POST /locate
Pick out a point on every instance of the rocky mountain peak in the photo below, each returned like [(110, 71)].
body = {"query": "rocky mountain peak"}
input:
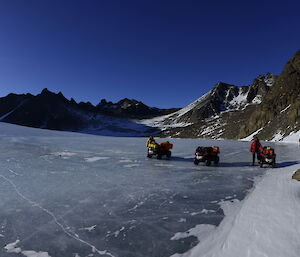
[(51, 96), (279, 112), (45, 91), (130, 103)]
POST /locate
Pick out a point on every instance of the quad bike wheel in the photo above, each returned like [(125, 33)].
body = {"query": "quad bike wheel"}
[(169, 153), (196, 162), (217, 160), (207, 162)]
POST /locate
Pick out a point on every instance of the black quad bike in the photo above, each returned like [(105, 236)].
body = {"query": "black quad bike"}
[(207, 155)]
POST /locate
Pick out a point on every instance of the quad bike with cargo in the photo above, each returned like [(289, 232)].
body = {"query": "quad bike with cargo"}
[(160, 150), (207, 154), (267, 157)]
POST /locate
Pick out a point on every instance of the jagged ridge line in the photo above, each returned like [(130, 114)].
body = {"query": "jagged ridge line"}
[(34, 204)]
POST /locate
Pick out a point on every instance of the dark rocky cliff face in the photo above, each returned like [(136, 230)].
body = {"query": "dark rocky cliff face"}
[(279, 111)]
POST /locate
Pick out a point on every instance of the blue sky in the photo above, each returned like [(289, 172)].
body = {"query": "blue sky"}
[(164, 53)]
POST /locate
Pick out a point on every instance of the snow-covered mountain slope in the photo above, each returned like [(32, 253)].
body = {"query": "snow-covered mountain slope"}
[(210, 115)]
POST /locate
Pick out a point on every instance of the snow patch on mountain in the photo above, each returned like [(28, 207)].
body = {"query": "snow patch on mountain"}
[(269, 81), (285, 108), (250, 137), (278, 136), (238, 101)]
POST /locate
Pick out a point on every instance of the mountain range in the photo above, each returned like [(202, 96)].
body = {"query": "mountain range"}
[(269, 108), (53, 111)]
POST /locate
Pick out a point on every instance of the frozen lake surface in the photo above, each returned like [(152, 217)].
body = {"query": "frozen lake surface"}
[(68, 194)]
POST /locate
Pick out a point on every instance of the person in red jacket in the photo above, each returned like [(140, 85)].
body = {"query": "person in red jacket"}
[(255, 148)]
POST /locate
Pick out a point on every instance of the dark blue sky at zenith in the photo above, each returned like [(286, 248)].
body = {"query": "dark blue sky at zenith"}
[(164, 53)]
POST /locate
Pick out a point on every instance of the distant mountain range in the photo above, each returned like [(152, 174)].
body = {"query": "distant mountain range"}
[(269, 108), (53, 111)]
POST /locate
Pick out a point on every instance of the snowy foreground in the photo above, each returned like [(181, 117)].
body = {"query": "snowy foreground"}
[(69, 194), (266, 223)]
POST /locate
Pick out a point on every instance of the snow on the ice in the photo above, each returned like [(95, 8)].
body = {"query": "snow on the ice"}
[(96, 158), (89, 229), (12, 248), (163, 165), (200, 231), (64, 154), (117, 232), (125, 160), (131, 165), (204, 211)]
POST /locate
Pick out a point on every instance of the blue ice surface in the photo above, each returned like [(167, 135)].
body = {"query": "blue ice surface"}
[(69, 193)]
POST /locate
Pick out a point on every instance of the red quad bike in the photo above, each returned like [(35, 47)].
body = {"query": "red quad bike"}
[(267, 157), (162, 149), (207, 155)]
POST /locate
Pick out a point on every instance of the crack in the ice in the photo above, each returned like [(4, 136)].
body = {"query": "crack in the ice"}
[(13, 172), (34, 204)]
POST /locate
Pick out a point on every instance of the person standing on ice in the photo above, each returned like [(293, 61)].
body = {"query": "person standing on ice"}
[(255, 148)]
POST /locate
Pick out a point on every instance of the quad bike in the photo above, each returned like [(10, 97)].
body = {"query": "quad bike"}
[(207, 155), (267, 156), (160, 150)]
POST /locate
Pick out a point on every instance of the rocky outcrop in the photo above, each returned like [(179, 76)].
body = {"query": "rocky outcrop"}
[(279, 111), (296, 175)]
